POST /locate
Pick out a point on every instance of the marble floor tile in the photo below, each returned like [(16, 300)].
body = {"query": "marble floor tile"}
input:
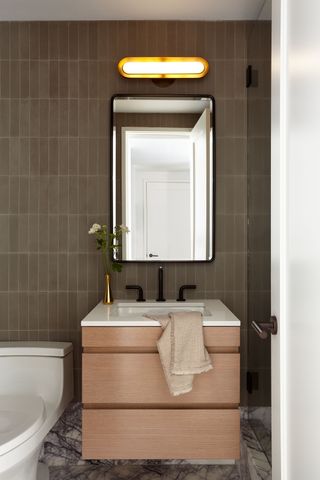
[(261, 413), (144, 472)]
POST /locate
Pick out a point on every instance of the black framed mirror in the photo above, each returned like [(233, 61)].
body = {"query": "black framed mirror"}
[(163, 177)]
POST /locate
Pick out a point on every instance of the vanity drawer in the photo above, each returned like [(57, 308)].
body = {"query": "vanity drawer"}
[(161, 434), (137, 380), (143, 339)]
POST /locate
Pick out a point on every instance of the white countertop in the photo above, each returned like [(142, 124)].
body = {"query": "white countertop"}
[(126, 313)]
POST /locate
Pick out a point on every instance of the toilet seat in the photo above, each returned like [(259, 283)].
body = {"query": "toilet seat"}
[(20, 417)]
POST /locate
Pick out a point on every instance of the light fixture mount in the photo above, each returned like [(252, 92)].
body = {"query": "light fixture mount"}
[(163, 67)]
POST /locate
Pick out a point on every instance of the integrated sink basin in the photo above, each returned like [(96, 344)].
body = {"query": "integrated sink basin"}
[(123, 309), (125, 313)]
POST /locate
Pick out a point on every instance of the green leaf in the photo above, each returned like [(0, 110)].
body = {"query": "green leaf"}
[(116, 267)]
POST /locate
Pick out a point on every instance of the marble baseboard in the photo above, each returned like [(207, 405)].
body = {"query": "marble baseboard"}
[(244, 413), (261, 413), (258, 464), (62, 453), (260, 421)]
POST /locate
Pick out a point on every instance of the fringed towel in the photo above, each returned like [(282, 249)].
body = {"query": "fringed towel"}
[(181, 349)]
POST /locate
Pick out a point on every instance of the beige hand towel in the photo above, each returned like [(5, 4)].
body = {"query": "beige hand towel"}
[(181, 349)]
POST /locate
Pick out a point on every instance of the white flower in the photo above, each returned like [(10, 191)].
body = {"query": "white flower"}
[(94, 229), (124, 229)]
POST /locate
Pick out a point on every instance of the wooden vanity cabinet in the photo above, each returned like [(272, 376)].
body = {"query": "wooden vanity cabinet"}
[(128, 412)]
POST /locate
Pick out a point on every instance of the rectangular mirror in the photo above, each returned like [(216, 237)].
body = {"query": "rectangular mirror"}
[(163, 177)]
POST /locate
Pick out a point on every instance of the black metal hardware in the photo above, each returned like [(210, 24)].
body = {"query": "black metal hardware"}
[(160, 286), (252, 381), (163, 82), (182, 289), (249, 76), (264, 328), (153, 255), (140, 290), (252, 77)]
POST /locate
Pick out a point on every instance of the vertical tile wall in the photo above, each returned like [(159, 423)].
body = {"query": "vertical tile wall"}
[(56, 81)]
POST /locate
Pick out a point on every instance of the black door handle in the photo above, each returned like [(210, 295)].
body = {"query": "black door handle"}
[(153, 255), (264, 328)]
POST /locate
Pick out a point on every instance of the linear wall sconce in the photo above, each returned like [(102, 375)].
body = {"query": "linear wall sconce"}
[(163, 67)]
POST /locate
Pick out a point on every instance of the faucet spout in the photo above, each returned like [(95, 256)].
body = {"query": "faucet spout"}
[(160, 286)]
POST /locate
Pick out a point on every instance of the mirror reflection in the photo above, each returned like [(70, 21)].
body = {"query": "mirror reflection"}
[(162, 178)]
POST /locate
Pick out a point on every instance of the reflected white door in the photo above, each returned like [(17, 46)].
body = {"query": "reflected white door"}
[(200, 136), (167, 211)]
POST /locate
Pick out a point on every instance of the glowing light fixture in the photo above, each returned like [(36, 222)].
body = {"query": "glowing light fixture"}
[(163, 67)]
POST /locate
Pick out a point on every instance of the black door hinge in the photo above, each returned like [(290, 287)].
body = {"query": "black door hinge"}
[(249, 76), (252, 381), (252, 77)]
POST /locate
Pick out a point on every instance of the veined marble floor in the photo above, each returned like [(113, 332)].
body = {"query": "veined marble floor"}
[(146, 472), (62, 453)]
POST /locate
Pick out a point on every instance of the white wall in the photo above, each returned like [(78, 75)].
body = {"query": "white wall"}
[(296, 164)]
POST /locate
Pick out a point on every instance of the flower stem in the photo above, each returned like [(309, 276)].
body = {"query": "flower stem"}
[(105, 261)]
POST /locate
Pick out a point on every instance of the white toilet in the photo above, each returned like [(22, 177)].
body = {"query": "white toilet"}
[(36, 385)]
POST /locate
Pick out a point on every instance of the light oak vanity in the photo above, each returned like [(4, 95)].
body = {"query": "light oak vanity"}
[(128, 412)]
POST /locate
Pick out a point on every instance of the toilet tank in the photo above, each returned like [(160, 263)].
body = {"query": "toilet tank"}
[(38, 368)]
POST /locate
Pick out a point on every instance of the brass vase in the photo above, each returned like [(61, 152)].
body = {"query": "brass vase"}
[(107, 297)]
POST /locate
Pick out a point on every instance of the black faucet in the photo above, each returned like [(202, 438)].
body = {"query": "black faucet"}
[(181, 290), (160, 286), (137, 287)]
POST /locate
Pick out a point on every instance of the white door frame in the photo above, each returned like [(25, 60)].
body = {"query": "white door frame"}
[(295, 244), (278, 239)]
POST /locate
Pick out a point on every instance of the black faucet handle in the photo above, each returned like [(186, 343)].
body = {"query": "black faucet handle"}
[(182, 289), (140, 290), (160, 286)]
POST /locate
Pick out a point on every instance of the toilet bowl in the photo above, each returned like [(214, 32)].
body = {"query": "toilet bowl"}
[(36, 385)]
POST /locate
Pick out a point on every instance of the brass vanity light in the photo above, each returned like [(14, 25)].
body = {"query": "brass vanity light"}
[(163, 67)]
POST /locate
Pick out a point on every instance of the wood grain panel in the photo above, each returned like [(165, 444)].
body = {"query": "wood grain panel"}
[(158, 434), (143, 339), (138, 379)]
